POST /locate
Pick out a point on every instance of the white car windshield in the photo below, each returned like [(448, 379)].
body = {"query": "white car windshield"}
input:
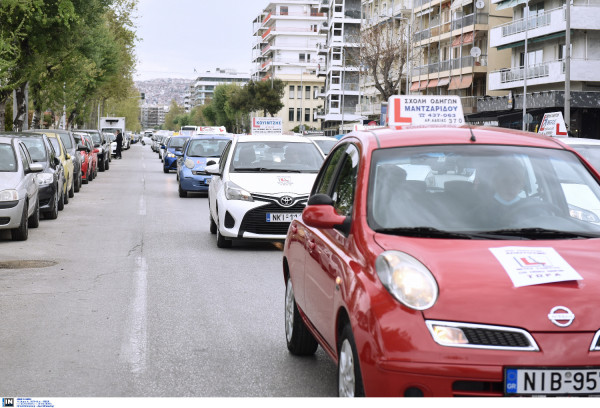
[(482, 189), (276, 156)]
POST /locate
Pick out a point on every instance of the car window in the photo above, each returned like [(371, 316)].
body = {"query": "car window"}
[(66, 139), (326, 175), (8, 161), (25, 158), (56, 145), (481, 188), (343, 192), (36, 149), (206, 147), (224, 156), (276, 156), (591, 153)]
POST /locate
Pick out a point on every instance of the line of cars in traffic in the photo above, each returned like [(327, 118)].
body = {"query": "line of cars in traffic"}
[(41, 170), (430, 259)]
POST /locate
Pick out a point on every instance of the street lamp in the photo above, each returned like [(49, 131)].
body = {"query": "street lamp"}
[(525, 65)]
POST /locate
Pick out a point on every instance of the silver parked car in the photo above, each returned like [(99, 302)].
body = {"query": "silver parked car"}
[(19, 191)]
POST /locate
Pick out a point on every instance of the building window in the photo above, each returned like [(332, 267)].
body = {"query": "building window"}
[(291, 91), (307, 92), (299, 91), (298, 115), (302, 57), (283, 10), (307, 114), (291, 115)]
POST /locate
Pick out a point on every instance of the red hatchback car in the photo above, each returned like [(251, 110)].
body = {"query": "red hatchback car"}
[(449, 261), (89, 157)]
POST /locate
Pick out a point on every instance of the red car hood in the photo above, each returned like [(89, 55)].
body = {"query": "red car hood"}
[(474, 287)]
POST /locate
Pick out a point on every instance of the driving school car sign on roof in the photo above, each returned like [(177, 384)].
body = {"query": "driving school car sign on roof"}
[(553, 124), (261, 126), (424, 110)]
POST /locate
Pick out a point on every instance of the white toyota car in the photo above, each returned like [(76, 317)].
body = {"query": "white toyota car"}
[(260, 185)]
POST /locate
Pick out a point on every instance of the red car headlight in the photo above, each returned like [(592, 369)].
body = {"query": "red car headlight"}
[(407, 279)]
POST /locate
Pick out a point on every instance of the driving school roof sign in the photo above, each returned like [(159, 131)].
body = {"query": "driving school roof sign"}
[(553, 124), (423, 110), (261, 126)]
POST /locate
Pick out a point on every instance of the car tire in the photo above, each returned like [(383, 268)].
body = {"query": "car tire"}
[(106, 164), (66, 198), (300, 340), (213, 225), (61, 201), (72, 189), (182, 192), (349, 377), (78, 184), (53, 213), (21, 233), (222, 242), (102, 165), (34, 219), (165, 170)]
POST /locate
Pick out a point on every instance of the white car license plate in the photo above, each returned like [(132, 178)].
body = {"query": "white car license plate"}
[(282, 217), (552, 381)]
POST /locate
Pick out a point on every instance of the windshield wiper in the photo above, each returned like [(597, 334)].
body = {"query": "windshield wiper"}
[(427, 232), (266, 169), (541, 233)]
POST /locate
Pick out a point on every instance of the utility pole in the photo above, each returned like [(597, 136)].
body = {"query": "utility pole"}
[(567, 96), (525, 63)]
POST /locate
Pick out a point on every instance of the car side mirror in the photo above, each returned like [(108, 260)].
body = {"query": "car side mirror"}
[(210, 162), (35, 168), (320, 213), (96, 144), (212, 169), (178, 153)]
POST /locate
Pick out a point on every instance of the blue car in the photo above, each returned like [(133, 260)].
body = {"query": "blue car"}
[(173, 150), (198, 152)]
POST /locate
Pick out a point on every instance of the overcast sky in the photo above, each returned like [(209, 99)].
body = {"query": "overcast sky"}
[(178, 36)]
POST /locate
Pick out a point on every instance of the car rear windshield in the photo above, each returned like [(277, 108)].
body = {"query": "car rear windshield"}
[(206, 147), (481, 188), (8, 161)]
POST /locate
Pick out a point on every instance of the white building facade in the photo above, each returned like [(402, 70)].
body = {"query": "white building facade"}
[(204, 87), (287, 38), (543, 73)]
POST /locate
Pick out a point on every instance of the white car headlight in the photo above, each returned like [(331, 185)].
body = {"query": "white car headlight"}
[(9, 195), (171, 155), (235, 192), (44, 179), (407, 279)]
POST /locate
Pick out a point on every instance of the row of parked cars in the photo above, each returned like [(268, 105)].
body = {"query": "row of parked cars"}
[(41, 170)]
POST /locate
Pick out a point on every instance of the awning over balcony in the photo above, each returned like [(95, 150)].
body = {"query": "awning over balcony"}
[(459, 3), (423, 85), (454, 83), (467, 38), (509, 4), (443, 81), (460, 82), (432, 84), (534, 40), (414, 86)]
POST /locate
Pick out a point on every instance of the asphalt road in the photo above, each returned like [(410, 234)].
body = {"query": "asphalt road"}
[(127, 295)]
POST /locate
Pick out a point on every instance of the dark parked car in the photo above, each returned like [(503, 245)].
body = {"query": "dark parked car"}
[(52, 178)]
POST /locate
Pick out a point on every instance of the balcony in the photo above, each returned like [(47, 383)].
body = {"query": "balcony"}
[(368, 109), (545, 26), (582, 70)]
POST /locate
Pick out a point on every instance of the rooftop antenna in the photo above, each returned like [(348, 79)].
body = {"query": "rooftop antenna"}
[(473, 139)]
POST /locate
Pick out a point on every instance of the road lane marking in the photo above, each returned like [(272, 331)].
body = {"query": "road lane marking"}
[(134, 347)]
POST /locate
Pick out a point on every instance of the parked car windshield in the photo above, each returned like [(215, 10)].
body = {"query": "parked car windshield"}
[(36, 148), (8, 161), (206, 147), (481, 189), (276, 156)]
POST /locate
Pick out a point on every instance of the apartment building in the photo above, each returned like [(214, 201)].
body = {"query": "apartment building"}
[(451, 53), (204, 86), (153, 116), (287, 38), (543, 72), (341, 70), (394, 16)]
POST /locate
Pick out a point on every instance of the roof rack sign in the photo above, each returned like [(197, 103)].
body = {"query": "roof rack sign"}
[(424, 110), (553, 124), (211, 130), (262, 126)]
